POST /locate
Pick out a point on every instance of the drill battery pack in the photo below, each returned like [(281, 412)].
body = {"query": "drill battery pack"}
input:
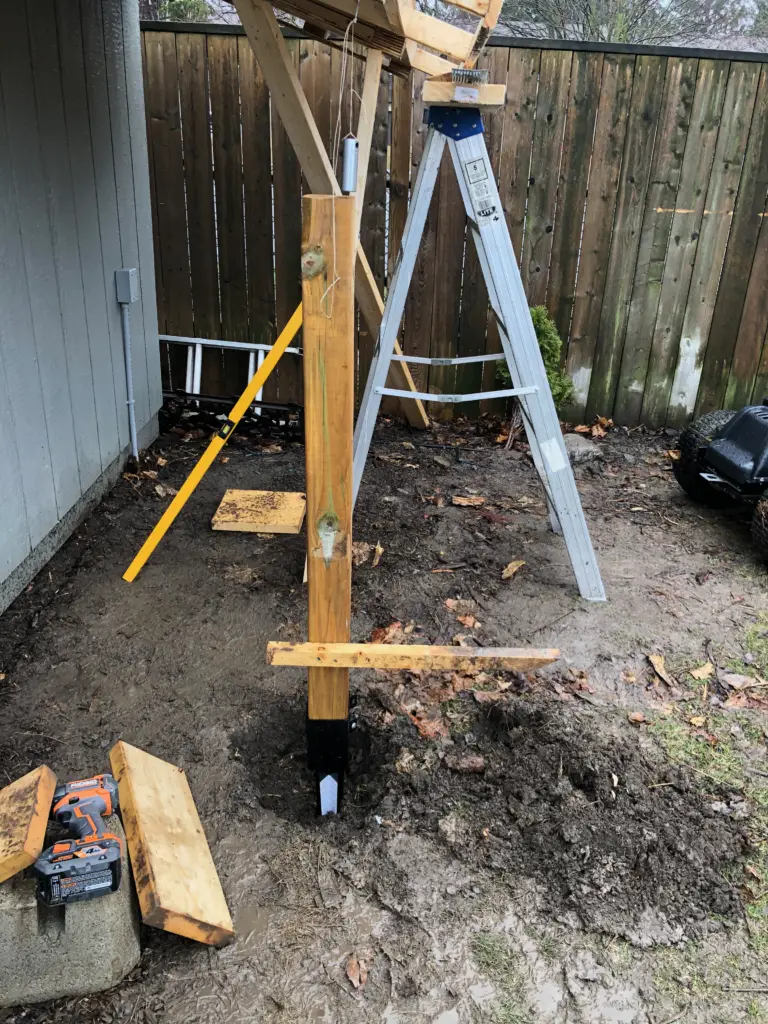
[(88, 862), (73, 870)]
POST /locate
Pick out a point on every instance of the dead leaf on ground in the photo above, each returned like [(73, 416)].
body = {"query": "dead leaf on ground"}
[(161, 461), (703, 671), (357, 972), (271, 449), (151, 473), (459, 606), (387, 634), (737, 700), (429, 727), (628, 677), (510, 569), (673, 454), (697, 721), (582, 429), (409, 444), (488, 697), (224, 458), (473, 501), (465, 763), (378, 551), (736, 681), (502, 438), (361, 551), (657, 662), (469, 621), (637, 718)]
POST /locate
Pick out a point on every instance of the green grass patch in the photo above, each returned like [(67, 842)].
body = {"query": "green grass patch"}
[(495, 959), (756, 642), (719, 762)]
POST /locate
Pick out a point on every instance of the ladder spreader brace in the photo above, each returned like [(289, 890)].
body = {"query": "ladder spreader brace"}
[(461, 129)]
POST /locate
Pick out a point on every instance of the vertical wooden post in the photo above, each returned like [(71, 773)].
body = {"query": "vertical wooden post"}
[(328, 250)]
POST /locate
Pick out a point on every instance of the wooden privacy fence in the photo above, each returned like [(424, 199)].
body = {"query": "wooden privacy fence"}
[(634, 183)]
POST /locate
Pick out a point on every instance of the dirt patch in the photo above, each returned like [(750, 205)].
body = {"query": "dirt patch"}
[(577, 833), (607, 830)]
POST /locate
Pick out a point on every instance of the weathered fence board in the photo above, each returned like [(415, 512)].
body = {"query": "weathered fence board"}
[(634, 183)]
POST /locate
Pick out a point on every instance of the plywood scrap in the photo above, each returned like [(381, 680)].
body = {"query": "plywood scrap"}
[(176, 881), (24, 809), (260, 511), (394, 657)]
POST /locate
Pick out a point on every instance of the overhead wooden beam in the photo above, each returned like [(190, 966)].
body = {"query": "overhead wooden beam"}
[(328, 246), (409, 656), (438, 35), (24, 809), (271, 52)]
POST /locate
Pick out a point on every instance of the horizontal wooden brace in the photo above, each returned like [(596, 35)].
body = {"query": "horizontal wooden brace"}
[(409, 656)]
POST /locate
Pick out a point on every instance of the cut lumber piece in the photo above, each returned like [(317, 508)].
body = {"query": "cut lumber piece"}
[(327, 269), (176, 881), (24, 809), (437, 35), (409, 656), (260, 511), (454, 94)]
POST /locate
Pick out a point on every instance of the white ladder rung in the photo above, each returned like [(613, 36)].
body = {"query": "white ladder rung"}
[(493, 357), (478, 396)]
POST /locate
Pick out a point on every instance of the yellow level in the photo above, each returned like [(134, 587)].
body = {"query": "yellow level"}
[(217, 443)]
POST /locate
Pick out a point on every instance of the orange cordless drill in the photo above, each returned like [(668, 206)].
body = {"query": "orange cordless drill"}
[(89, 864)]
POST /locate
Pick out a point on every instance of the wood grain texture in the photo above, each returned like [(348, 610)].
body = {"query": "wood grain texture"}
[(417, 319), (286, 177), (257, 196), (647, 90), (514, 160), (738, 264), (24, 809), (373, 126), (230, 227), (475, 333), (175, 877), (551, 106), (586, 74), (260, 511), (192, 58), (607, 151), (689, 208), (328, 258), (710, 251), (394, 657), (672, 132), (748, 379)]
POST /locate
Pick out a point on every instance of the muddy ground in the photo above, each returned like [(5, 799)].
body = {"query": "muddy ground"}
[(585, 844)]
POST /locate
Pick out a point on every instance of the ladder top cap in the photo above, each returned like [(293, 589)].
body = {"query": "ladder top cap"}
[(480, 96)]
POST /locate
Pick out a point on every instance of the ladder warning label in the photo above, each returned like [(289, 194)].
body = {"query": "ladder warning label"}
[(480, 188)]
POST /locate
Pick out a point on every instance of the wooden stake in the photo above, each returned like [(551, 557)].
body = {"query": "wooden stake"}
[(327, 270)]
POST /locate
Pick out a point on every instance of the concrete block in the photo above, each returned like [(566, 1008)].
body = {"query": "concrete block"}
[(49, 952)]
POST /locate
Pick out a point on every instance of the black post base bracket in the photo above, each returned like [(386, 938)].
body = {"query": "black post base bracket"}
[(327, 757)]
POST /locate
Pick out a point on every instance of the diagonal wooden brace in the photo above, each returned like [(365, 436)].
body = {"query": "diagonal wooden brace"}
[(270, 51)]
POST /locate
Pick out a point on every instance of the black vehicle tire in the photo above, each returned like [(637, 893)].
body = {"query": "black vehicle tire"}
[(760, 528), (690, 464)]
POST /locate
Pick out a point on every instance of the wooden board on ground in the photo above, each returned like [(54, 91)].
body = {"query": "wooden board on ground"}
[(24, 809), (176, 881), (260, 511), (409, 656)]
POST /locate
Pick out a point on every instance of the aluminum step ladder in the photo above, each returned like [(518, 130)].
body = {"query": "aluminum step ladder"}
[(461, 129)]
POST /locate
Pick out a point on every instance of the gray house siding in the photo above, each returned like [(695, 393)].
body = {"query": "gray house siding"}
[(74, 207)]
